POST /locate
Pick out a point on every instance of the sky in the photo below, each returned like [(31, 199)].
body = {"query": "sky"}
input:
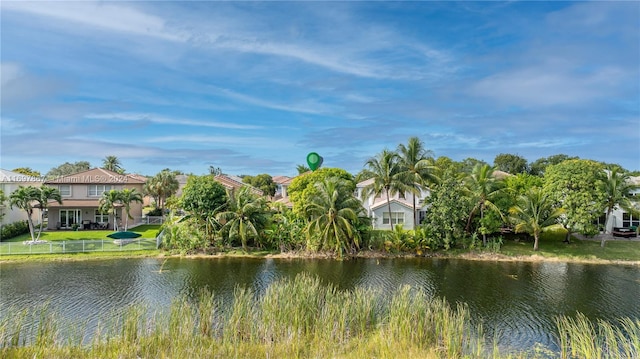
[(253, 87)]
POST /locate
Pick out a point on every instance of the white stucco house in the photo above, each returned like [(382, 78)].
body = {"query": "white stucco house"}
[(377, 208), (9, 182), (622, 218)]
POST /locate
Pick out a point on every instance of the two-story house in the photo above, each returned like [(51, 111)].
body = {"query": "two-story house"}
[(377, 207), (81, 193)]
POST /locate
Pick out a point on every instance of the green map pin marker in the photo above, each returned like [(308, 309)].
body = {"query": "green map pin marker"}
[(314, 161)]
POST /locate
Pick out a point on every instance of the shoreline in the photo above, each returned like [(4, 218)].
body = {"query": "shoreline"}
[(471, 256)]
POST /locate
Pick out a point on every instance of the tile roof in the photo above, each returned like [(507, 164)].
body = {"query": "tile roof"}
[(234, 182), (10, 176)]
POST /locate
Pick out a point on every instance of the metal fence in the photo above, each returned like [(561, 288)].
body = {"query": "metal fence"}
[(78, 246)]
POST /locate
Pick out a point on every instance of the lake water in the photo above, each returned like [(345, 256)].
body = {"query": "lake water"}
[(517, 300)]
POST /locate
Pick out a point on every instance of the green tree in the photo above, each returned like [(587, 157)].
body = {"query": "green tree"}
[(468, 164), (388, 178), (203, 197), (417, 168), (448, 208), (27, 171), (618, 191), (303, 187), (575, 186), (3, 199), (24, 198), (482, 188), (162, 186), (68, 168), (510, 163), (109, 202), (128, 196), (263, 182), (112, 163), (533, 213), (333, 216), (245, 216), (45, 195), (539, 166)]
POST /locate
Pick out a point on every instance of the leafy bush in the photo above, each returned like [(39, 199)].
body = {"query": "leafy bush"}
[(13, 230), (156, 212)]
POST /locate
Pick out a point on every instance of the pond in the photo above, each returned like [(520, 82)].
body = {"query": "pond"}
[(517, 301)]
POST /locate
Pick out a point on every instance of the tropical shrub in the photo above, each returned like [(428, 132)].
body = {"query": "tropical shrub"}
[(13, 230)]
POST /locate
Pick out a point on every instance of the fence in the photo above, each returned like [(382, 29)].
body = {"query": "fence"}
[(78, 246)]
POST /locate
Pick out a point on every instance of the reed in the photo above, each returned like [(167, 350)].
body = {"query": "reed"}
[(295, 318), (580, 338)]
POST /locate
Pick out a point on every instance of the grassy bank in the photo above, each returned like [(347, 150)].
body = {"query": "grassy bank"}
[(146, 231), (296, 318)]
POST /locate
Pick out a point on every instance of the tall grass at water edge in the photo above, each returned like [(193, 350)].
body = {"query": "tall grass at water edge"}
[(294, 318)]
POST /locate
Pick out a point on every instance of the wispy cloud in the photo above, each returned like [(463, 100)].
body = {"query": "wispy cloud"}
[(159, 119)]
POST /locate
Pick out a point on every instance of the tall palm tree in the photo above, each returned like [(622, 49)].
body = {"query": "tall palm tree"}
[(46, 194), (24, 198), (534, 213), (128, 196), (385, 170), (333, 216), (482, 187), (162, 186), (417, 168), (109, 201), (246, 215), (618, 191), (112, 163)]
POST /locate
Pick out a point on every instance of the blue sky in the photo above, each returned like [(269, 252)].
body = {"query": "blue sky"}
[(253, 87)]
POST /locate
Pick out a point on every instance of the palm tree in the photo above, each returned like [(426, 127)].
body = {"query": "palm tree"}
[(112, 163), (128, 196), (246, 215), (619, 192), (385, 170), (416, 167), (534, 213), (108, 203), (482, 187), (302, 169), (46, 194), (333, 216), (162, 186), (24, 198)]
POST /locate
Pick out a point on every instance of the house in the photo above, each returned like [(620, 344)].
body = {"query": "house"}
[(401, 204), (232, 183), (81, 193), (9, 182), (620, 217)]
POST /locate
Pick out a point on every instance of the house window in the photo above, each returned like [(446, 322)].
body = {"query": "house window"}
[(65, 190), (396, 217), (628, 220), (97, 190), (101, 217)]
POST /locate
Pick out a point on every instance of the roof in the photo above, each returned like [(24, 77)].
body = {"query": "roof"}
[(234, 182), (286, 201), (78, 203), (98, 176), (393, 200), (365, 183), (10, 176), (281, 179)]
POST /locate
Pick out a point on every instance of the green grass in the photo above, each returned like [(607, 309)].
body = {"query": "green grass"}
[(147, 231), (552, 245)]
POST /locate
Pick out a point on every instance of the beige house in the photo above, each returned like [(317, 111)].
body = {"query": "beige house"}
[(9, 182), (81, 193)]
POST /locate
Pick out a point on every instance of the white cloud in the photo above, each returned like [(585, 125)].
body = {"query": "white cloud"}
[(105, 15), (159, 119)]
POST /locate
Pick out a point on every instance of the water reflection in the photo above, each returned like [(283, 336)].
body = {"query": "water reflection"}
[(516, 301)]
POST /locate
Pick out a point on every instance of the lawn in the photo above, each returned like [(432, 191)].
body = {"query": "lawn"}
[(552, 245), (147, 231)]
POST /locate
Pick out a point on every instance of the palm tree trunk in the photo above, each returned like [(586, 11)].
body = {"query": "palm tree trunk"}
[(41, 222), (389, 207), (536, 236), (126, 222), (31, 228), (415, 215), (484, 235), (606, 221)]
